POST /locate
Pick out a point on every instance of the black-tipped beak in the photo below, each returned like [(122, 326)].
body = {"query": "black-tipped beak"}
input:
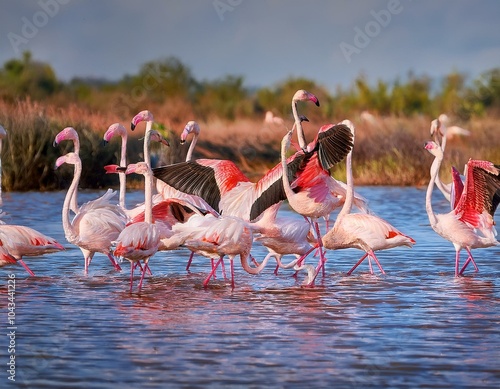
[(104, 142), (317, 103), (54, 144), (132, 126), (182, 141), (121, 169)]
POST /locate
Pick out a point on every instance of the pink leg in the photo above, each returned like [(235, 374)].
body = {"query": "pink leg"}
[(370, 264), (457, 263), (223, 269), (26, 267), (87, 263), (146, 266), (190, 260), (231, 265), (322, 258), (357, 264), (213, 266), (372, 254), (470, 259), (113, 262), (302, 258), (132, 267), (211, 274)]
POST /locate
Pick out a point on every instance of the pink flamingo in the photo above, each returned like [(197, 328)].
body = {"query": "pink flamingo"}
[(97, 223), (229, 192), (215, 237), (191, 127), (362, 231), (21, 241), (313, 196), (470, 224), (3, 134), (140, 241)]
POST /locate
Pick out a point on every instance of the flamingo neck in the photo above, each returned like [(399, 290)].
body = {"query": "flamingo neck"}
[(72, 191), (436, 164), (147, 138), (300, 132), (148, 197), (349, 198), (286, 182), (123, 176), (189, 154)]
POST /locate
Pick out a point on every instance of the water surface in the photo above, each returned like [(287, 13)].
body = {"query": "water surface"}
[(417, 326)]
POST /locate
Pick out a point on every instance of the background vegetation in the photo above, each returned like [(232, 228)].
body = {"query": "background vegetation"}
[(35, 105)]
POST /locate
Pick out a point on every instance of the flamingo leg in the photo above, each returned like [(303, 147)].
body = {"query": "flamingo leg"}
[(223, 269), (212, 273), (322, 258), (132, 267), (23, 264), (457, 263), (142, 277), (212, 261), (357, 264), (114, 263), (87, 263), (190, 260), (231, 266), (370, 264), (372, 254), (470, 259)]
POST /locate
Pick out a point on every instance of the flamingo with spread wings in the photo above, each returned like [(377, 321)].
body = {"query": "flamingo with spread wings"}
[(229, 192), (470, 224)]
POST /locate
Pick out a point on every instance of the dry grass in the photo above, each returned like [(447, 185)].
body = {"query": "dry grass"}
[(388, 152)]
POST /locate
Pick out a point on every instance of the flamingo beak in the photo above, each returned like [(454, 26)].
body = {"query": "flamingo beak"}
[(132, 126)]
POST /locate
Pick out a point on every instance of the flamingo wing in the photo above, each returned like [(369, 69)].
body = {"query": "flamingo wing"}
[(333, 143), (481, 193), (457, 187), (204, 178)]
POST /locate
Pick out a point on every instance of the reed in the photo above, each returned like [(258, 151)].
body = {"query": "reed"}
[(388, 151)]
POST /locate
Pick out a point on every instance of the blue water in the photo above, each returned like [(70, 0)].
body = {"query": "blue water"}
[(417, 326)]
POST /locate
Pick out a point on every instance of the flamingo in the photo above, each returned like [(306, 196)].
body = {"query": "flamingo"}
[(312, 194), (215, 237), (282, 236), (140, 241), (229, 192), (96, 224), (20, 241), (3, 134), (69, 133), (191, 127), (470, 224), (440, 127), (362, 231)]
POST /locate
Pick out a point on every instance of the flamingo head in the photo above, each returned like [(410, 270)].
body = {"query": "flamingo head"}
[(143, 116), (138, 168), (116, 129), (191, 127), (70, 158), (3, 133), (303, 95), (433, 148), (69, 133), (156, 137)]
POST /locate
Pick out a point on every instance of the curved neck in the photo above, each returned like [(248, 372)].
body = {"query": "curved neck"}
[(436, 164), (347, 207), (148, 197), (300, 132), (253, 270), (72, 190), (286, 182), (189, 154), (147, 137), (122, 176)]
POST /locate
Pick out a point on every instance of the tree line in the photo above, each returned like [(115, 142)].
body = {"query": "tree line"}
[(169, 81)]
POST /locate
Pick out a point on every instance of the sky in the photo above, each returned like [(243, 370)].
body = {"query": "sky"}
[(329, 41)]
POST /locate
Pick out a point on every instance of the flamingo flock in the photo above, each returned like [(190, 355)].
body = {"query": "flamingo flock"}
[(210, 207)]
